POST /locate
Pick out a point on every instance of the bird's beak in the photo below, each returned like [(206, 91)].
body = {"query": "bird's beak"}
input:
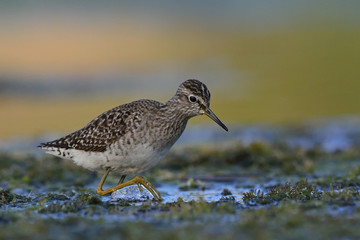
[(212, 115)]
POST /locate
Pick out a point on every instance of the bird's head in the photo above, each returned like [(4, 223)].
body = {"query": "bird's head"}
[(194, 98)]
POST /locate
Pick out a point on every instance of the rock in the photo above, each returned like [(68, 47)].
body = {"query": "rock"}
[(131, 194)]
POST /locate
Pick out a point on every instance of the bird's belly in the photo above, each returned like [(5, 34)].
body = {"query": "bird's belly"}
[(135, 160), (125, 161)]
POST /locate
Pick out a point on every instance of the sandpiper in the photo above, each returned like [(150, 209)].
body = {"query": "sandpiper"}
[(134, 137)]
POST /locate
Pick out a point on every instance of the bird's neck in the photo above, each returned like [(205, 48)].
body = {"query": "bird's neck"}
[(174, 110), (174, 121)]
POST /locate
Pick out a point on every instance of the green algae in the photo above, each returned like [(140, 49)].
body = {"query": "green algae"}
[(300, 191), (303, 191), (226, 192), (341, 196), (6, 197)]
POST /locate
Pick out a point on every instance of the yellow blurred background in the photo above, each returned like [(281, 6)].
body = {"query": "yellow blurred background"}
[(62, 64)]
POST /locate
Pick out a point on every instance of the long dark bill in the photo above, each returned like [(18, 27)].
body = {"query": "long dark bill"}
[(212, 115)]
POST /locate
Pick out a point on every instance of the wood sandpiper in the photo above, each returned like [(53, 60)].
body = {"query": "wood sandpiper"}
[(134, 137)]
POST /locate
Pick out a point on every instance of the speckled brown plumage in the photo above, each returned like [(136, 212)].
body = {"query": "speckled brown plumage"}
[(105, 129)]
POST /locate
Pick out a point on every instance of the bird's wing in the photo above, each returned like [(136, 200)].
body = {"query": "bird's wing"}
[(101, 132)]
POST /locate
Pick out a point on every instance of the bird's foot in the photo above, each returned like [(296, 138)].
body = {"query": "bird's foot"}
[(138, 180)]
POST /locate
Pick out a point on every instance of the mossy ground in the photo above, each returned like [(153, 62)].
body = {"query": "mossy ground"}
[(290, 193)]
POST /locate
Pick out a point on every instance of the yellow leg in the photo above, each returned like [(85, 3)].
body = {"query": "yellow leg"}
[(99, 189), (121, 179), (138, 180)]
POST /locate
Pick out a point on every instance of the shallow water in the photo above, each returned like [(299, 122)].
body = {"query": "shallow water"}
[(171, 193)]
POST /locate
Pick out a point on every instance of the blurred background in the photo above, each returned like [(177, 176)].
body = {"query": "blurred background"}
[(62, 63)]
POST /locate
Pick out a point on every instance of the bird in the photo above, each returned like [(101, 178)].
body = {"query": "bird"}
[(134, 137)]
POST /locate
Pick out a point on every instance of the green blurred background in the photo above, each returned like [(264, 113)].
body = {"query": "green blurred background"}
[(281, 62)]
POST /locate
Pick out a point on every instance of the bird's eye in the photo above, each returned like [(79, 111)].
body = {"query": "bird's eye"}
[(192, 99)]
